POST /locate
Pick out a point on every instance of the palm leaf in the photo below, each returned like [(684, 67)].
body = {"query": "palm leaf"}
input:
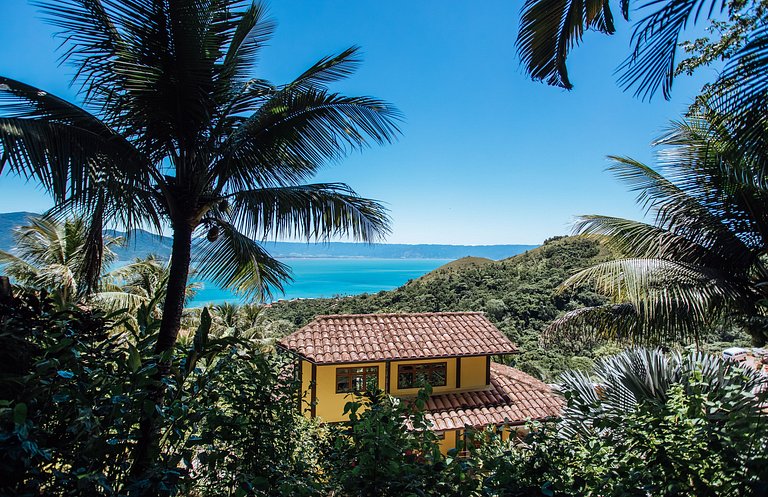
[(316, 211), (549, 29), (235, 261), (295, 132)]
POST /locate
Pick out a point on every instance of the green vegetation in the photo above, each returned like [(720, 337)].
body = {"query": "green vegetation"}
[(652, 424), (74, 386), (50, 255), (176, 130), (549, 30), (109, 387)]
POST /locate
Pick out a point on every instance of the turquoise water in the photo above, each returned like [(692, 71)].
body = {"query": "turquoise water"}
[(330, 277)]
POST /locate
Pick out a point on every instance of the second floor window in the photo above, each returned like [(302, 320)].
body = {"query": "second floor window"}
[(357, 379), (418, 375)]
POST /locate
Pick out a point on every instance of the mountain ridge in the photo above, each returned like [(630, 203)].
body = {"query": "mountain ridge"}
[(142, 243)]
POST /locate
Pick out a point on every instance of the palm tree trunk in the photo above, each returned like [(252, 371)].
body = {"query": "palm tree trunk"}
[(147, 448), (173, 306)]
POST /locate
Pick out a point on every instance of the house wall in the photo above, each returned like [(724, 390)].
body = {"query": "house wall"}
[(329, 405), (473, 372), (448, 442), (306, 379)]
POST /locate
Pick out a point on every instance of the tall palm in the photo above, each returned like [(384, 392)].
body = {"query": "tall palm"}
[(703, 257), (50, 255), (176, 130)]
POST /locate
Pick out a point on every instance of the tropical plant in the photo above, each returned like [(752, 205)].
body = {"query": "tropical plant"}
[(181, 132), (386, 448), (175, 130), (50, 255), (141, 281), (549, 29), (620, 384), (646, 423), (700, 261), (72, 393)]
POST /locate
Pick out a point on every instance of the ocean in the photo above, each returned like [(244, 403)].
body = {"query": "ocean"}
[(320, 277)]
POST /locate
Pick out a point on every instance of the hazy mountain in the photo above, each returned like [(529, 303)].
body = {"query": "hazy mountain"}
[(141, 243)]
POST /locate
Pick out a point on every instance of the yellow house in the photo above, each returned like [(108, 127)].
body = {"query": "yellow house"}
[(340, 355)]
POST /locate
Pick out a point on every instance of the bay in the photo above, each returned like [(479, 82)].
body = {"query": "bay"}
[(329, 277)]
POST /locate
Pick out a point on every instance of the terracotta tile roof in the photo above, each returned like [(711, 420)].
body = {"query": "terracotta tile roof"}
[(348, 338), (514, 398)]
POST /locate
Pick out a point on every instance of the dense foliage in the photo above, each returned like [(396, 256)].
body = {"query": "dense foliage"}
[(74, 388), (652, 424)]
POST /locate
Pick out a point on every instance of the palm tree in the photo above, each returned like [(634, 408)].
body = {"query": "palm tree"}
[(703, 257), (142, 281), (175, 131), (49, 255)]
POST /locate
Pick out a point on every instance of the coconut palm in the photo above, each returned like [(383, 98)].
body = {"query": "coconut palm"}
[(176, 131), (50, 255), (142, 281), (702, 258)]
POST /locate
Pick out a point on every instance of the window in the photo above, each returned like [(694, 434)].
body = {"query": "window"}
[(418, 375), (357, 379)]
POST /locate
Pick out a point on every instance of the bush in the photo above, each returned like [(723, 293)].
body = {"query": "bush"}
[(74, 387)]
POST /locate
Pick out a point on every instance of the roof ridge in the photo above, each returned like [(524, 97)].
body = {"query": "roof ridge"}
[(527, 379), (377, 314)]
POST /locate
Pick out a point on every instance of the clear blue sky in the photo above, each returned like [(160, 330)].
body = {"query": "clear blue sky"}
[(487, 156)]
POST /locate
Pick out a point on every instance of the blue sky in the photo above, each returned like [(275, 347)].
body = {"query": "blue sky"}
[(486, 156)]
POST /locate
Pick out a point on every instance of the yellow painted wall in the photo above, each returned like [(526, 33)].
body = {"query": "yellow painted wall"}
[(473, 371), (306, 378), (449, 442), (330, 405)]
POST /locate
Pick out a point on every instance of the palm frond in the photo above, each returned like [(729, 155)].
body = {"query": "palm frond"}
[(655, 301), (315, 211), (651, 66), (235, 261), (328, 70), (740, 95), (681, 208), (295, 132), (549, 29)]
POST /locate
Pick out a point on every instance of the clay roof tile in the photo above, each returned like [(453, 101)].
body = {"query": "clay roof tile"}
[(377, 337)]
